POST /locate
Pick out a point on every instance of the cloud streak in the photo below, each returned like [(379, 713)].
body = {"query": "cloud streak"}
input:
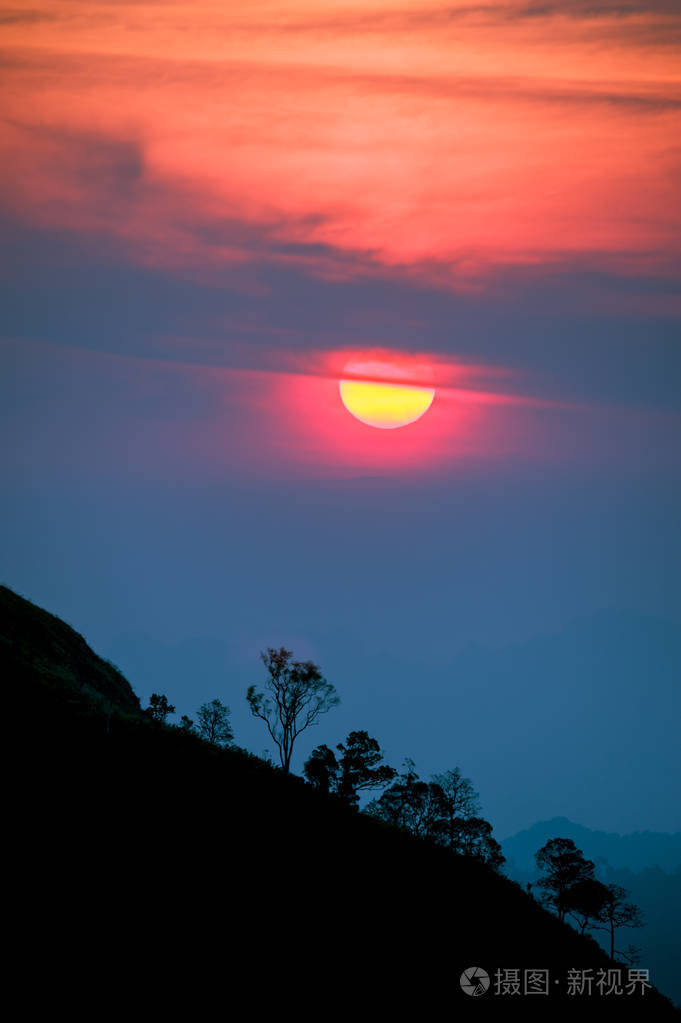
[(99, 415)]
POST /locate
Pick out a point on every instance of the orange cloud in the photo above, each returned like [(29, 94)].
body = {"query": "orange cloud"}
[(357, 138)]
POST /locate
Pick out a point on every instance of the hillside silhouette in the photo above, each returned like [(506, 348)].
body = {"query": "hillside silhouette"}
[(45, 654), (207, 876)]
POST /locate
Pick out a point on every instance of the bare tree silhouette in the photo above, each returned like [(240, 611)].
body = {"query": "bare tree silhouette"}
[(295, 695)]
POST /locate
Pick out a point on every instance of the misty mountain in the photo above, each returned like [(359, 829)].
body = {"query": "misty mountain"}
[(634, 852), (646, 864)]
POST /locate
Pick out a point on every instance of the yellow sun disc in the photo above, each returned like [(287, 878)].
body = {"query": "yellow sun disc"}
[(385, 406)]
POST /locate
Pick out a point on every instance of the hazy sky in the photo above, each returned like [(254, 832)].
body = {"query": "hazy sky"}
[(207, 209)]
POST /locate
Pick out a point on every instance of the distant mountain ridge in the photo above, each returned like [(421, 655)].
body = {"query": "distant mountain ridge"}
[(635, 851)]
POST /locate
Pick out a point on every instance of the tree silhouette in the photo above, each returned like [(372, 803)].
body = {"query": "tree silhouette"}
[(358, 769), (409, 803), (616, 913), (186, 724), (631, 954), (321, 769), (473, 837), (563, 865), (458, 801), (584, 901), (442, 810), (361, 767), (213, 723), (159, 708), (295, 695)]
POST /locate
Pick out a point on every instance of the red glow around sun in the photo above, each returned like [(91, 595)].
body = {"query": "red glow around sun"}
[(465, 420)]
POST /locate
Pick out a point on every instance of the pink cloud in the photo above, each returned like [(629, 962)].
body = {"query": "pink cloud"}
[(440, 144)]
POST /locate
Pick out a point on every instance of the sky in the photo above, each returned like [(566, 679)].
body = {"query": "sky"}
[(209, 214)]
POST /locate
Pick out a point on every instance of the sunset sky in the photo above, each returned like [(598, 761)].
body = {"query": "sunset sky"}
[(209, 211)]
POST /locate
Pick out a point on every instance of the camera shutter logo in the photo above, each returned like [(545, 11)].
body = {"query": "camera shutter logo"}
[(474, 981)]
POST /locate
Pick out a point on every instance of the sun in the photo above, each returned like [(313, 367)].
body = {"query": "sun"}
[(386, 406)]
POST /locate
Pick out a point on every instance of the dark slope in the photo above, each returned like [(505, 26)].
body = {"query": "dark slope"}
[(48, 654), (193, 876)]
